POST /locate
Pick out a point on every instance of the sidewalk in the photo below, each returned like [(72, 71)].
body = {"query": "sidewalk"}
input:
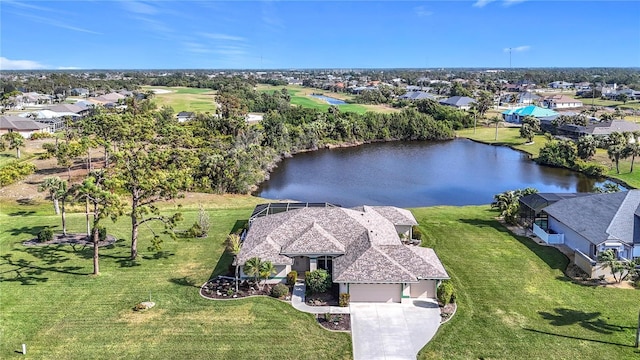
[(297, 301)]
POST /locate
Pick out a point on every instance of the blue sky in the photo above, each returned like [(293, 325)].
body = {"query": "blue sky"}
[(317, 34)]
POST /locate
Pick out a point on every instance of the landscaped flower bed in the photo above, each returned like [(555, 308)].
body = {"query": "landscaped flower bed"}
[(224, 288), (336, 322)]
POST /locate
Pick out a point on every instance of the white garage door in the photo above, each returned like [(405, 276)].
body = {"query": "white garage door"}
[(423, 289), (375, 292)]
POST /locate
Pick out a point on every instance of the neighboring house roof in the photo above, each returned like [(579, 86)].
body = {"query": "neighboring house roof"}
[(539, 201), (607, 128), (365, 238), (416, 95), (17, 123), (458, 101), (527, 96), (530, 110), (47, 114), (185, 114), (69, 108), (599, 217)]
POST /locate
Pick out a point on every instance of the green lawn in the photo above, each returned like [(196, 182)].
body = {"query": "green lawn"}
[(50, 302), (509, 136), (514, 301), (185, 99), (300, 97)]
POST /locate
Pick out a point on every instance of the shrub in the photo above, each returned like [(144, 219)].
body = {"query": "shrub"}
[(195, 230), (446, 292), (344, 299), (318, 281), (417, 233), (292, 277), (36, 136), (15, 171), (102, 233), (279, 291), (45, 235)]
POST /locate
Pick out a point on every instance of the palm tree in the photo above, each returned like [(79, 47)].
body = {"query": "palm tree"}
[(616, 148), (15, 140), (474, 110), (267, 269), (496, 120), (233, 247), (58, 192), (252, 268)]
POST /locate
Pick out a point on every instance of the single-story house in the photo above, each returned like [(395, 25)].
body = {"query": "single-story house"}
[(185, 115), (70, 108), (22, 126), (360, 247), (590, 224), (560, 85), (416, 95), (600, 129), (561, 102), (516, 115), (460, 102)]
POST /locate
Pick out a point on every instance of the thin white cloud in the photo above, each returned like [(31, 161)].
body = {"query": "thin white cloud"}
[(30, 6), (422, 11), (7, 64), (270, 17), (56, 23), (223, 37), (196, 48), (482, 3), (139, 7), (518, 48), (69, 68)]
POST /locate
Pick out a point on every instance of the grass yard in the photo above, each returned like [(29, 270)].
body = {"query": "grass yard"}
[(185, 99), (507, 136), (50, 302), (300, 97), (514, 301)]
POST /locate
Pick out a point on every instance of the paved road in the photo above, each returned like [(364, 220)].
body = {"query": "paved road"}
[(392, 331)]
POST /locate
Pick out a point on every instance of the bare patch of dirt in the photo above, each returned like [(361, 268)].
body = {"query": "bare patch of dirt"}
[(447, 311)]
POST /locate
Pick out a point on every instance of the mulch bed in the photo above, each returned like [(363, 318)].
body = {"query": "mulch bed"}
[(336, 322), (447, 311), (224, 288), (321, 299), (70, 239)]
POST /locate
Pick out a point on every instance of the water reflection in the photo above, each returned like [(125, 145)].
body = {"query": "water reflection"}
[(412, 174)]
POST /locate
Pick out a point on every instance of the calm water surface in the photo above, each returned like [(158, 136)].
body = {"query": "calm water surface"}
[(413, 174), (330, 100)]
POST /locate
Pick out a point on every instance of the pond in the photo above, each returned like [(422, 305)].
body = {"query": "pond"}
[(414, 174), (330, 100)]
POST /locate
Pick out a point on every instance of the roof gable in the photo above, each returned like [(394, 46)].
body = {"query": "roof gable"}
[(315, 240)]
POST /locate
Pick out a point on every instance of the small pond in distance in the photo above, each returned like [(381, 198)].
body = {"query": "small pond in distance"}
[(414, 174), (330, 100)]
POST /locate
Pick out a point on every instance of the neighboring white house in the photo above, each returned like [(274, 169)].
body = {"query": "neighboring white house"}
[(360, 247), (22, 126), (560, 85), (185, 116), (561, 102), (591, 224)]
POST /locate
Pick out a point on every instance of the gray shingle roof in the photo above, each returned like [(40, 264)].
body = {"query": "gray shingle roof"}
[(367, 239), (599, 217), (458, 101), (17, 123)]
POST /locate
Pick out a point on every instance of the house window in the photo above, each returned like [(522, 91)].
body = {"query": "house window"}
[(326, 263)]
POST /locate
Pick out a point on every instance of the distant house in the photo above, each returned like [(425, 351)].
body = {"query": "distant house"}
[(516, 115), (561, 102), (560, 85), (601, 129), (416, 95), (185, 116), (22, 126), (79, 92), (460, 102), (588, 225), (70, 108), (523, 98)]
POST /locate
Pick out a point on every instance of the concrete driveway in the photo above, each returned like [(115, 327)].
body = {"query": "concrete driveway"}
[(392, 331)]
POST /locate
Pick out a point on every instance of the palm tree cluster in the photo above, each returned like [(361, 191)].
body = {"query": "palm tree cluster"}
[(508, 203)]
